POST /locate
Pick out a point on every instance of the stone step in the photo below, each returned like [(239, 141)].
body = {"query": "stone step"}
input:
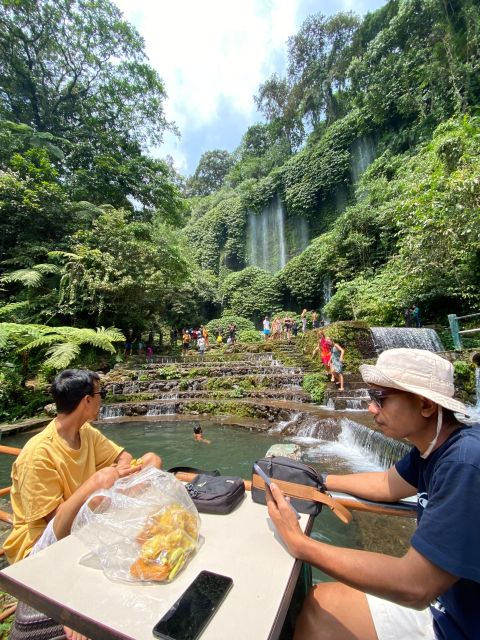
[(352, 393), (138, 386), (342, 403)]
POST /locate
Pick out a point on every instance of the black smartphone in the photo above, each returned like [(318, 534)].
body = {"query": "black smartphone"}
[(188, 617)]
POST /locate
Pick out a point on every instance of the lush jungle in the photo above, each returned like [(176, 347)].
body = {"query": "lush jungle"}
[(358, 194)]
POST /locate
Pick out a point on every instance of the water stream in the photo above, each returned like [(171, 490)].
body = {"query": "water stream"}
[(362, 155), (397, 337), (272, 239)]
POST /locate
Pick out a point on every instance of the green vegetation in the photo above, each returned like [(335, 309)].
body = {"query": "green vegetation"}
[(315, 384), (94, 232), (222, 324), (465, 379), (221, 409)]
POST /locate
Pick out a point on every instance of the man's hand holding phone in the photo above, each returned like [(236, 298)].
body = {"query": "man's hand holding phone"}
[(283, 515), (268, 481)]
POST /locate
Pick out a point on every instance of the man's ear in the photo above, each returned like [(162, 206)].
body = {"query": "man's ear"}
[(428, 407)]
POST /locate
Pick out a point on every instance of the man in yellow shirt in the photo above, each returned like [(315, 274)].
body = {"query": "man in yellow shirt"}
[(59, 468)]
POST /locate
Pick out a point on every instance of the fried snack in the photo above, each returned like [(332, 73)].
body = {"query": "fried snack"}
[(136, 462), (172, 518), (167, 540), (149, 570), (153, 547)]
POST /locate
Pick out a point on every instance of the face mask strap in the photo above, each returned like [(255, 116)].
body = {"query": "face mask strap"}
[(432, 444)]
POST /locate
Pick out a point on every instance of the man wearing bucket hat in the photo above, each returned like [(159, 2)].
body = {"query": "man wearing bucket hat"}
[(433, 591)]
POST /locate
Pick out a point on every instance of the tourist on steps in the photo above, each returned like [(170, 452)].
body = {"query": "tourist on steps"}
[(336, 363), (433, 591), (60, 468), (324, 348), (416, 316), (266, 328), (303, 317)]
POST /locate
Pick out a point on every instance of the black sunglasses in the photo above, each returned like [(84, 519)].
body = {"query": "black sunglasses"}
[(102, 393), (378, 396)]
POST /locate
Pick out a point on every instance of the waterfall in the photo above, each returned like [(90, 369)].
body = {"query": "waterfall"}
[(473, 417), (394, 337), (379, 449), (364, 449), (107, 412), (327, 289), (340, 199), (267, 246), (167, 409), (280, 211), (362, 155), (298, 234)]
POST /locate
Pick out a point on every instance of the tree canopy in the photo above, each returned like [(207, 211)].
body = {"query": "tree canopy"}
[(370, 141)]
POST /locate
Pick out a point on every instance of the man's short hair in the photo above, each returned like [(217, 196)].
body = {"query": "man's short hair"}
[(71, 386)]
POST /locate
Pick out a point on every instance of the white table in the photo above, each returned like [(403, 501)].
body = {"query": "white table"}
[(242, 545)]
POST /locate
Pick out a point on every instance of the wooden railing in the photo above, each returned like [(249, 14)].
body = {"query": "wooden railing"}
[(11, 451)]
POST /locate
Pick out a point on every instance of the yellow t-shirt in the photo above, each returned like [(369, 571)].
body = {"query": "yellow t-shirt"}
[(45, 474)]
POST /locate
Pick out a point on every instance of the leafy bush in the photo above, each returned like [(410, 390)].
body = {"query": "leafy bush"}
[(464, 379), (315, 384), (167, 373), (250, 336), (222, 324), (252, 293)]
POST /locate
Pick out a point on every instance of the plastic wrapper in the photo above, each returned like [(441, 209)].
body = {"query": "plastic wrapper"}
[(143, 529)]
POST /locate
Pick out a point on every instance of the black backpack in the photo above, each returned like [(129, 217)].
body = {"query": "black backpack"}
[(212, 492)]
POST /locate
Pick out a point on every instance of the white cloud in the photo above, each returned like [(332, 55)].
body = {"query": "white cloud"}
[(216, 53), (209, 52)]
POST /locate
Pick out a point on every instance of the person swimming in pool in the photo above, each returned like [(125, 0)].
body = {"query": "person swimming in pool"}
[(198, 434)]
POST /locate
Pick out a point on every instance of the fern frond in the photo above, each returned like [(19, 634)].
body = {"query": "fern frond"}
[(46, 268), (65, 255), (89, 336), (27, 277), (112, 333), (43, 341), (12, 307), (61, 355)]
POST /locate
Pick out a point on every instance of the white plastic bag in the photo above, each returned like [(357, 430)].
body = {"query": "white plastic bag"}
[(144, 528)]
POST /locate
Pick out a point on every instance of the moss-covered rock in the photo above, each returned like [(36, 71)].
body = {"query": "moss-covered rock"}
[(221, 409)]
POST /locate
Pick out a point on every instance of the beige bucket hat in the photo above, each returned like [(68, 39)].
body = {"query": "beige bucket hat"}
[(416, 371)]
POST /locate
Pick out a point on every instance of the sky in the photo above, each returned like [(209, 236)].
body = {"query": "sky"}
[(212, 56)]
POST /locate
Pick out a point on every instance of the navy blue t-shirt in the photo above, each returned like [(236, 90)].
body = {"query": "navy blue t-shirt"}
[(448, 532)]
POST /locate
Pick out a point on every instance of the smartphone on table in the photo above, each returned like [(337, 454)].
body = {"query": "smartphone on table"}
[(189, 615), (268, 481)]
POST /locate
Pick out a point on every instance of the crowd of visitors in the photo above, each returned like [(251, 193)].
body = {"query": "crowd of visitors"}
[(285, 328), (279, 328), (198, 338)]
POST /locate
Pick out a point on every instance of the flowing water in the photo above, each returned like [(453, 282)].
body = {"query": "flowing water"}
[(396, 337), (272, 239), (363, 154), (329, 445)]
